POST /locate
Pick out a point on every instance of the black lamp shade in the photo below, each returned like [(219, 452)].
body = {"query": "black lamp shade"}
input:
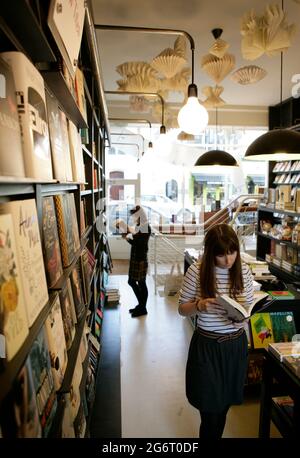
[(275, 145), (216, 157)]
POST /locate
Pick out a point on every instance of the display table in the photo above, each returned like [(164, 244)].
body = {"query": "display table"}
[(278, 380)]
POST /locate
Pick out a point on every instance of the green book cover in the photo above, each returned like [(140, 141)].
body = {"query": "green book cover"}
[(283, 326), (281, 295)]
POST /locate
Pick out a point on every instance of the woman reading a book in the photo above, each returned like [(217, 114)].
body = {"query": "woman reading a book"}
[(138, 265), (217, 359)]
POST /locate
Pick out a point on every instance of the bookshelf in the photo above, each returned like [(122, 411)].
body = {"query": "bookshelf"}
[(26, 30), (278, 380)]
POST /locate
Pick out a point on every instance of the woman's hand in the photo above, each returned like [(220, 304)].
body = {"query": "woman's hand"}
[(209, 304)]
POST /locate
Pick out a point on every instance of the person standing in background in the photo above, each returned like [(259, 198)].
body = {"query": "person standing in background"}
[(217, 359), (138, 264)]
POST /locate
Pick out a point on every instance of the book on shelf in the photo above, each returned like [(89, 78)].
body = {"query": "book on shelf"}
[(78, 170), (254, 369), (87, 271), (56, 138), (67, 306), (67, 226), (66, 25), (236, 311), (56, 343), (13, 317), (82, 217), (66, 145), (31, 99), (95, 343), (80, 422), (75, 388), (67, 427), (293, 363), (50, 241), (69, 80), (83, 349), (30, 255), (261, 330), (98, 322), (281, 295), (283, 324), (270, 327), (79, 89), (43, 381), (11, 164), (286, 404), (78, 291), (282, 349), (90, 384), (19, 415)]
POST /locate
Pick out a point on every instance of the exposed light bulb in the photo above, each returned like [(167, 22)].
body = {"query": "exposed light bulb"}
[(192, 117)]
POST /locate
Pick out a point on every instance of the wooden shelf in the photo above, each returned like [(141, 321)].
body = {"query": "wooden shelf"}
[(86, 192), (286, 242), (281, 420), (276, 210), (84, 148), (58, 188), (288, 383), (27, 30), (59, 87), (282, 273)]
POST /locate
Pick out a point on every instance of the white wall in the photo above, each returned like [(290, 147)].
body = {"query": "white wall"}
[(119, 248)]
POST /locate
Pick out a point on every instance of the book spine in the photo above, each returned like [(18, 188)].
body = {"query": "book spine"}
[(62, 231)]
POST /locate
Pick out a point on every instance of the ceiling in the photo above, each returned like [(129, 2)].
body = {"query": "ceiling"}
[(198, 18)]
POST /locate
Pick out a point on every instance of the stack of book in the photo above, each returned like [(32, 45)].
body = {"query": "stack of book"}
[(260, 269), (283, 349), (112, 290)]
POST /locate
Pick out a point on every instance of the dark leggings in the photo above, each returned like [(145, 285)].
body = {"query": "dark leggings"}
[(140, 290), (212, 424)]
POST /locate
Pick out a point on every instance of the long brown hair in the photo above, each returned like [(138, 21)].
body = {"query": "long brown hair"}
[(220, 240)]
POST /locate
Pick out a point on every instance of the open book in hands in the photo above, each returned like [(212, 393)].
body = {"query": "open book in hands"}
[(237, 312), (123, 226)]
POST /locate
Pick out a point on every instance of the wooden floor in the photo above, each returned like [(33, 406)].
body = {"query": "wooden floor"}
[(120, 267), (153, 357)]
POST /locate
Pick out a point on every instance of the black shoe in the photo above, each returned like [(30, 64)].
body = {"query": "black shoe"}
[(135, 308), (139, 312)]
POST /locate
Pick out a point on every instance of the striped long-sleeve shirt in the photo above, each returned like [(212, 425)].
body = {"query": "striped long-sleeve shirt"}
[(190, 291)]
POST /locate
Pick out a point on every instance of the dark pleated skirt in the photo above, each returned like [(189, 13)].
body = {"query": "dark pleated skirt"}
[(216, 372), (138, 270)]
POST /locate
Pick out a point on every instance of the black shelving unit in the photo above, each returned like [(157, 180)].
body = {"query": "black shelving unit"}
[(278, 380), (23, 28)]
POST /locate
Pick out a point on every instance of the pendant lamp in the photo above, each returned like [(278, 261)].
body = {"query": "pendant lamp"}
[(216, 156), (192, 117), (278, 144)]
